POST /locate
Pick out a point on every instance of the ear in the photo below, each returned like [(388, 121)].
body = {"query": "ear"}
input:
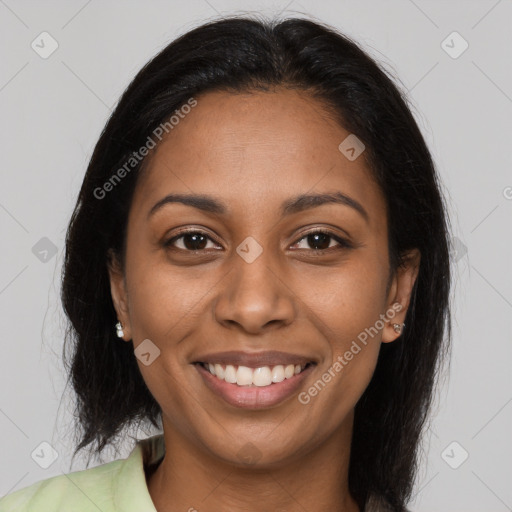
[(119, 294), (399, 296)]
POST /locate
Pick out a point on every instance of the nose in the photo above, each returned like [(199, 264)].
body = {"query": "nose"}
[(255, 296)]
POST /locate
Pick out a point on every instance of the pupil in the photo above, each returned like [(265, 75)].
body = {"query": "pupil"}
[(321, 239), (198, 241)]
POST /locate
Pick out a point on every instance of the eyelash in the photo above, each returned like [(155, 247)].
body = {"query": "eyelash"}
[(343, 243)]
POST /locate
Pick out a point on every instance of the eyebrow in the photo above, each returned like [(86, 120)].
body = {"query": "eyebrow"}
[(293, 205)]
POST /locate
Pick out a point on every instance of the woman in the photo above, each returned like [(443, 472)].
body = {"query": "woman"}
[(258, 265)]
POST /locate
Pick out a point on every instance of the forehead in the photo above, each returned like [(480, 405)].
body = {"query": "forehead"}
[(255, 149)]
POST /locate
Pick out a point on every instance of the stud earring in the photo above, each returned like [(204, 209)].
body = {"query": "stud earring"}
[(398, 328), (119, 330)]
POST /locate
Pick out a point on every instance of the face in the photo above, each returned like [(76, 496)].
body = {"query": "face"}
[(258, 276)]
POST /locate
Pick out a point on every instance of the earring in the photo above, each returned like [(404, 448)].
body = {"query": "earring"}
[(398, 328), (119, 330)]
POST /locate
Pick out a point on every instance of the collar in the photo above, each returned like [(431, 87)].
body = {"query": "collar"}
[(130, 489)]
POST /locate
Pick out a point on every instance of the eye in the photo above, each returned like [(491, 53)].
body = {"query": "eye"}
[(321, 241), (197, 241), (191, 240)]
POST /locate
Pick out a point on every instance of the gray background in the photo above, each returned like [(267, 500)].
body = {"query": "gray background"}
[(53, 110)]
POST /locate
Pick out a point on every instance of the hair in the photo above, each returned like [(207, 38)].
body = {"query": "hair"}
[(242, 55)]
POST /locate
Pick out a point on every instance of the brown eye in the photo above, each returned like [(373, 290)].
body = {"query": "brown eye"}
[(196, 241), (190, 241), (321, 241)]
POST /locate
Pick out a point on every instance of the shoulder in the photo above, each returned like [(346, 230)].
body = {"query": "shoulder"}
[(81, 489), (117, 485)]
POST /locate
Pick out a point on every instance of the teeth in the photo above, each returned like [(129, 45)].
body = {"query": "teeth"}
[(289, 371), (219, 371), (278, 373), (262, 376), (245, 376), (230, 375)]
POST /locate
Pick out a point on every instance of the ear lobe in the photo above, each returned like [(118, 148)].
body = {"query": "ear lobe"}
[(119, 293), (400, 294)]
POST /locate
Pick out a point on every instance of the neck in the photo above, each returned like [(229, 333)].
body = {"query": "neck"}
[(192, 479)]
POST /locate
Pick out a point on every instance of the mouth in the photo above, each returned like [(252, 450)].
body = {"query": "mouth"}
[(262, 376), (254, 381)]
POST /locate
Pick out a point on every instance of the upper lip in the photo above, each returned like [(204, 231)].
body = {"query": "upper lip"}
[(254, 360)]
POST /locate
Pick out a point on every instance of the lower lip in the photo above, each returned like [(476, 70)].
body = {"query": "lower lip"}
[(253, 397)]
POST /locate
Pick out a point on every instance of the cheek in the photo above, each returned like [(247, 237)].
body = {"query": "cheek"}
[(162, 299), (346, 300), (164, 306), (348, 309)]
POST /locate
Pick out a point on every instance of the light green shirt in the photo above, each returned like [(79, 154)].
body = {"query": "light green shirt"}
[(118, 486)]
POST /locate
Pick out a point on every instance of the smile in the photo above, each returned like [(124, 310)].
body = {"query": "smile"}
[(260, 377), (262, 387)]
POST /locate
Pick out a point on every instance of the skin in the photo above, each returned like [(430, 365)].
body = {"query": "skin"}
[(252, 152)]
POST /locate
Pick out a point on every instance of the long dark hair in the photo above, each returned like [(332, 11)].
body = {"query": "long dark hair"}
[(243, 54)]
